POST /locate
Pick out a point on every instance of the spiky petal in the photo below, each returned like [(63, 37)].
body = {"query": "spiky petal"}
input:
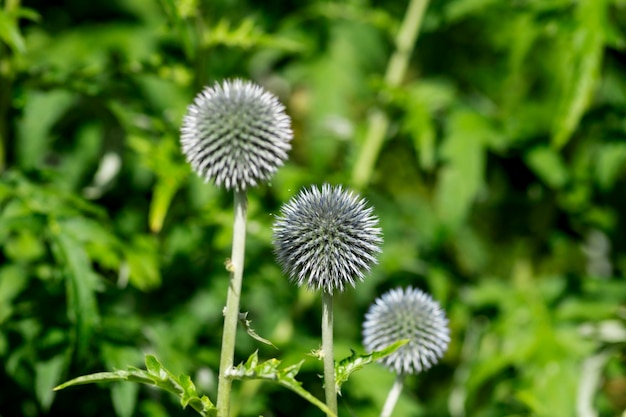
[(236, 134), (407, 314), (326, 239)]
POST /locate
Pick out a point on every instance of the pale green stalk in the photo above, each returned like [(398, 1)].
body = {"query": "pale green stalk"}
[(330, 388), (392, 397), (396, 69), (231, 312)]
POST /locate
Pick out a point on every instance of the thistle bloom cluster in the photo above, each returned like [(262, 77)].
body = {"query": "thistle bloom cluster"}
[(407, 314), (236, 134), (325, 239)]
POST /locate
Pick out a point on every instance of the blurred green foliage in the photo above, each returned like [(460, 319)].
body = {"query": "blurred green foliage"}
[(499, 190)]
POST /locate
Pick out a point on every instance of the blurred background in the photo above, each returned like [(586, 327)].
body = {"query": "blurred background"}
[(500, 188)]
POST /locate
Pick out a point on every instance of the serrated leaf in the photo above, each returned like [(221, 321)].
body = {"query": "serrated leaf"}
[(156, 375), (133, 374), (243, 319), (269, 371), (354, 362)]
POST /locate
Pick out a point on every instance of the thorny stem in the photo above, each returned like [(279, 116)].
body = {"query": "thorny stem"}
[(231, 313), (396, 68), (330, 388), (392, 397)]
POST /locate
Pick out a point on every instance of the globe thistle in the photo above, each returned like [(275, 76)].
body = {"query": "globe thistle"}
[(325, 239), (407, 314), (236, 134)]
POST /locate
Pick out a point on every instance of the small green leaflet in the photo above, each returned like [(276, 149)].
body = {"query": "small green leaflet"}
[(268, 371), (354, 362), (155, 375)]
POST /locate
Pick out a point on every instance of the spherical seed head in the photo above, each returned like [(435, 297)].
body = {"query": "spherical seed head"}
[(325, 239), (407, 314), (236, 134)]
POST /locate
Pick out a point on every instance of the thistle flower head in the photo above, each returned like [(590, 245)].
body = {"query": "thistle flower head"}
[(325, 239), (407, 314), (236, 134)]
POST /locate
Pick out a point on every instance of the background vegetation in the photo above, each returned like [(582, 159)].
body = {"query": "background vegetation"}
[(500, 190)]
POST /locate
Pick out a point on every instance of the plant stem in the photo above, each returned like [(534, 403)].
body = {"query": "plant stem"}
[(231, 312), (378, 121), (327, 349), (392, 397)]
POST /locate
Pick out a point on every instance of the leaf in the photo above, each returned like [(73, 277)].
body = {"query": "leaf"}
[(269, 371), (243, 319), (47, 375), (124, 398), (41, 111), (155, 375), (548, 165), (583, 70), (141, 255), (13, 279), (355, 362), (81, 283), (610, 163), (462, 176)]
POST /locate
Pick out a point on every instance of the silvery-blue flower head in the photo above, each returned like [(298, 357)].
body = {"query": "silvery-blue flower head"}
[(236, 134), (407, 314), (326, 238)]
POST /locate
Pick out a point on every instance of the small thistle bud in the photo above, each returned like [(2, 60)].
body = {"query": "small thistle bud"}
[(236, 134), (325, 239), (407, 314)]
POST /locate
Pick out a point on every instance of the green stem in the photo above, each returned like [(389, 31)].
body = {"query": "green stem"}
[(396, 69), (327, 350), (231, 313), (392, 397)]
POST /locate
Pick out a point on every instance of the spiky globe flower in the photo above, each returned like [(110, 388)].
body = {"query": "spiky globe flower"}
[(236, 134), (407, 314), (326, 239)]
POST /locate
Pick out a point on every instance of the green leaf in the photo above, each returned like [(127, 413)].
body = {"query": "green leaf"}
[(141, 255), (355, 362), (41, 111), (10, 33), (243, 319), (13, 279), (47, 375), (124, 398), (269, 371), (610, 163), (582, 69), (81, 282), (155, 375), (548, 165), (463, 174)]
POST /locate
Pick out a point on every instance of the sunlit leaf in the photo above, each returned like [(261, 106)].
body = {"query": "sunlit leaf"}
[(354, 362), (270, 370), (155, 375)]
